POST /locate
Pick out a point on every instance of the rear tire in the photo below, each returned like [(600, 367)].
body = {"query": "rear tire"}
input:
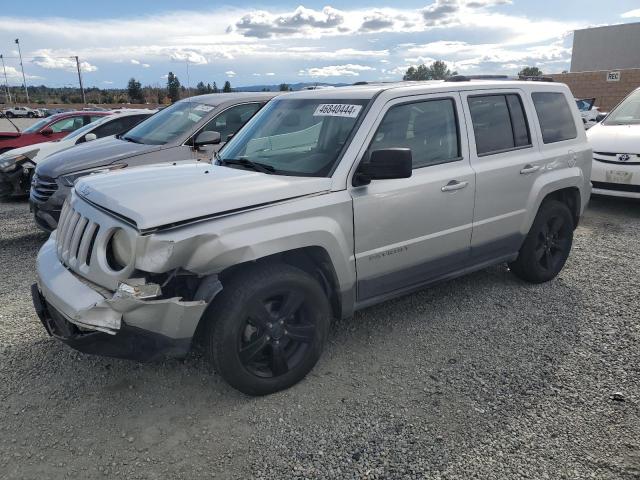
[(267, 328), (9, 115), (548, 244)]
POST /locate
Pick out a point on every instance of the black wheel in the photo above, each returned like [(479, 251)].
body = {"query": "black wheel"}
[(30, 115), (547, 246), (267, 328), (9, 115)]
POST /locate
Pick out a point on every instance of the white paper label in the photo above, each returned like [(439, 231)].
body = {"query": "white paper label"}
[(337, 110), (204, 108)]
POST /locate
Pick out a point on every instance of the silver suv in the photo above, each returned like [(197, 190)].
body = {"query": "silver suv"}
[(326, 202)]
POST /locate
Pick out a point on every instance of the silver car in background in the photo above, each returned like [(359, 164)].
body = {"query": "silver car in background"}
[(191, 129)]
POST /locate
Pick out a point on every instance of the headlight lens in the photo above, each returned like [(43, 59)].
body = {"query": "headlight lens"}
[(70, 179), (119, 250), (7, 164)]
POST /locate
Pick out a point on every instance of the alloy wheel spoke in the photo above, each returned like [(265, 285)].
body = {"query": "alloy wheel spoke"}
[(249, 352), (279, 364), (548, 259), (539, 252), (291, 304), (301, 333), (555, 225), (259, 313)]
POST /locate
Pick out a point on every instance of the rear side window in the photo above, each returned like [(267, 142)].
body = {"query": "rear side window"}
[(429, 129), (554, 114), (499, 123)]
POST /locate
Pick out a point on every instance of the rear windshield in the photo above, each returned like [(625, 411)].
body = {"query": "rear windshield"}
[(301, 137), (627, 113)]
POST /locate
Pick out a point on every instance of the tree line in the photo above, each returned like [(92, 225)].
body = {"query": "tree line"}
[(438, 70)]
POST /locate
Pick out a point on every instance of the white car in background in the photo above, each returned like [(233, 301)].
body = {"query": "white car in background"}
[(616, 150), (17, 165), (24, 112), (590, 114)]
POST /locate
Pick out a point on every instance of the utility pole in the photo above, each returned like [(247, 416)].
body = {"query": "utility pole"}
[(6, 82), (84, 100), (24, 80)]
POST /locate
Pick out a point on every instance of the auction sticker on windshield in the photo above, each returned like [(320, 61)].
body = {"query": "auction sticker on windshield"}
[(337, 110)]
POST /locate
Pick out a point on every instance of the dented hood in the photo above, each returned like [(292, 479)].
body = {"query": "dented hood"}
[(167, 194)]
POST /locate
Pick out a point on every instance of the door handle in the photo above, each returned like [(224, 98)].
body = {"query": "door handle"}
[(454, 185), (529, 169)]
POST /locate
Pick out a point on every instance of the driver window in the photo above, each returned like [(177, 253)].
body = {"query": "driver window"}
[(66, 125), (429, 129)]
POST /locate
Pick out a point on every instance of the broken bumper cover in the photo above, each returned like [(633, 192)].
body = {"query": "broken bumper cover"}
[(103, 323)]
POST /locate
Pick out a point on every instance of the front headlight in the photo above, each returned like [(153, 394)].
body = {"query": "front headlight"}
[(8, 164), (119, 250), (70, 179)]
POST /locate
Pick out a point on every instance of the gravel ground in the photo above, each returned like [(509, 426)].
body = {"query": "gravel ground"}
[(481, 377)]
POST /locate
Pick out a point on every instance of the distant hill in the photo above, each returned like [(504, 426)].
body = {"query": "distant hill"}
[(293, 86)]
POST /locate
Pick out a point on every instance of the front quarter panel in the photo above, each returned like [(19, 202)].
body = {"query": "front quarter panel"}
[(208, 247)]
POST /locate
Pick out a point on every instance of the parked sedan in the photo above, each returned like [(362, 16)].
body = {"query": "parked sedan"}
[(616, 150), (47, 129), (17, 165), (191, 129)]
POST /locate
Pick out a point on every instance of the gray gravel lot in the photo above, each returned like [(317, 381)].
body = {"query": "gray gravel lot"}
[(481, 377)]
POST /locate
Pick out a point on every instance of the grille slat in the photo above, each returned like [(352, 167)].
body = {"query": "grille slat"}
[(42, 188), (75, 238)]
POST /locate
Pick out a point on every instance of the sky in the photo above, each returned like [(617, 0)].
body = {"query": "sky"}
[(255, 43)]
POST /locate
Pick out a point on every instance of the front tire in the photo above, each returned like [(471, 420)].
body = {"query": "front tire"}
[(267, 328), (9, 115), (548, 244)]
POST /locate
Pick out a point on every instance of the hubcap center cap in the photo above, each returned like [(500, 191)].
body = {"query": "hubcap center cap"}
[(277, 331)]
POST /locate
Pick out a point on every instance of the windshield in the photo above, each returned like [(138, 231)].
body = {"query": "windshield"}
[(169, 123), (584, 105), (37, 126), (627, 113), (296, 137)]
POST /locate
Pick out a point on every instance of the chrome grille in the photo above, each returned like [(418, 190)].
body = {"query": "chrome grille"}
[(75, 237), (42, 188)]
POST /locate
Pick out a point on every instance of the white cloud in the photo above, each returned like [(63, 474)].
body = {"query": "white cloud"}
[(257, 74), (631, 14), (262, 24), (107, 82), (230, 73), (68, 64), (270, 74), (190, 56), (349, 70), (14, 76), (135, 62)]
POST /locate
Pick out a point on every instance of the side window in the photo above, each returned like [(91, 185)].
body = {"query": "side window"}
[(554, 114), (499, 123), (429, 129), (66, 125), (230, 121), (118, 126), (93, 118)]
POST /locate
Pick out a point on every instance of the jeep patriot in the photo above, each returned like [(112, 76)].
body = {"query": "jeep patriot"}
[(325, 202)]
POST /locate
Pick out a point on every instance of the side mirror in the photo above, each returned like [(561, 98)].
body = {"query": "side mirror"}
[(385, 164), (207, 138), (89, 137), (47, 131)]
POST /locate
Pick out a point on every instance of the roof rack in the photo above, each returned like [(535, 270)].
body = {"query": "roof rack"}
[(535, 79), (467, 78)]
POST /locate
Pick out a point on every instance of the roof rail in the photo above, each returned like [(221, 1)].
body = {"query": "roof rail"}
[(467, 78), (540, 78)]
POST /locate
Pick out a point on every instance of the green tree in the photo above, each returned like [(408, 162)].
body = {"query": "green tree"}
[(209, 89), (438, 70), (173, 87), (284, 87), (215, 88), (134, 90), (201, 88), (227, 87), (530, 72)]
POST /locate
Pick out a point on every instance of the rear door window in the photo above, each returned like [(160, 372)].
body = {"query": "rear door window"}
[(554, 115), (499, 123)]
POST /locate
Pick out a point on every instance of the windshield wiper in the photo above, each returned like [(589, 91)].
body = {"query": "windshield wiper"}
[(130, 139), (245, 162)]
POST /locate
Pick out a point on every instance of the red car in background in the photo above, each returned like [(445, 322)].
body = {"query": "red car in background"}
[(47, 129)]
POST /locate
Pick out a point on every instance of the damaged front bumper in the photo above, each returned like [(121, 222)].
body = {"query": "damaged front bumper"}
[(94, 320)]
